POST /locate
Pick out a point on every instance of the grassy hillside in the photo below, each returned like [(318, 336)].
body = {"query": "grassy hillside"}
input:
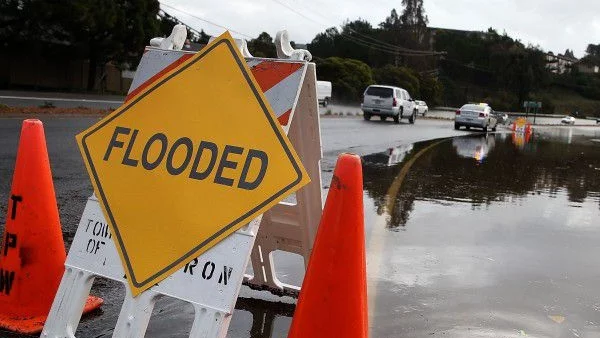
[(565, 101)]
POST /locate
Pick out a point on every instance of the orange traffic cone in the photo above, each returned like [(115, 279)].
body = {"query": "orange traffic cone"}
[(333, 299), (32, 255)]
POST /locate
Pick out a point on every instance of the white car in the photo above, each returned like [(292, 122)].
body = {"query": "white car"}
[(476, 115), (421, 107), (568, 120), (324, 92), (388, 101)]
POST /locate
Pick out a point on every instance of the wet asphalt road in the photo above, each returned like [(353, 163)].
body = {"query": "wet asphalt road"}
[(353, 110), (484, 237)]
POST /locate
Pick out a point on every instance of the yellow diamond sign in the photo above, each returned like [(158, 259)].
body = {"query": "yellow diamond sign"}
[(188, 161)]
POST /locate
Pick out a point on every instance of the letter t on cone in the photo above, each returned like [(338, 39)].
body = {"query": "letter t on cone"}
[(32, 255), (333, 299)]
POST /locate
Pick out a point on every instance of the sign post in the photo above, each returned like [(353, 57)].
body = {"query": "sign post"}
[(529, 105)]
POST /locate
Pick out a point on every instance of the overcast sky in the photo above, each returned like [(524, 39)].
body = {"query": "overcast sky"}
[(554, 25)]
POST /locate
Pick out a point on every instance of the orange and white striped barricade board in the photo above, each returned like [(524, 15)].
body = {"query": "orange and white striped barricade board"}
[(278, 79), (292, 227), (521, 132), (290, 88), (210, 282)]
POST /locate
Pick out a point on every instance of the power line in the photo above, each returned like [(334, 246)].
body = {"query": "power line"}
[(464, 65), (298, 13), (207, 21), (394, 50), (162, 14), (362, 40), (378, 45)]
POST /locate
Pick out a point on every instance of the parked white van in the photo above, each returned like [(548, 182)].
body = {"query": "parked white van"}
[(388, 101), (324, 92)]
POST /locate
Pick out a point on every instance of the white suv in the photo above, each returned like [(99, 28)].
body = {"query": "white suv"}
[(385, 101)]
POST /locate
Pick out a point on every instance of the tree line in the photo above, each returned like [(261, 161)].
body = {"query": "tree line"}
[(445, 66), (442, 66), (97, 30)]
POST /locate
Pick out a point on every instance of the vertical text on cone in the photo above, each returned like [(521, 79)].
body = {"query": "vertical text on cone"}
[(10, 242), (7, 276), (6, 281), (15, 199)]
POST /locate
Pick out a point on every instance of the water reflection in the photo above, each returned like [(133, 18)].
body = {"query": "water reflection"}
[(481, 170), (519, 140), (390, 157), (476, 147), (265, 316)]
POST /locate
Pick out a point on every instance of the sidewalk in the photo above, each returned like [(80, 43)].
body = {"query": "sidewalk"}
[(61, 95), (14, 98)]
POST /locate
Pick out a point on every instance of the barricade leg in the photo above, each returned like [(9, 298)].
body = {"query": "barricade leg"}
[(287, 226), (135, 314), (309, 198), (211, 282), (209, 323), (69, 303)]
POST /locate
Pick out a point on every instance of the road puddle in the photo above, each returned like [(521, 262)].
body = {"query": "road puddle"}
[(485, 235)]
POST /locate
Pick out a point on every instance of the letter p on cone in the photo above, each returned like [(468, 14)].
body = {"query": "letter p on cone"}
[(333, 299), (32, 255)]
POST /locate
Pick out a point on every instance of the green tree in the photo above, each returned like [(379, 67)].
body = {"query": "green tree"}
[(593, 50), (33, 24), (592, 57), (349, 78), (263, 46), (97, 30), (167, 22), (111, 30), (431, 89), (414, 19), (481, 65), (392, 22), (324, 44), (399, 77)]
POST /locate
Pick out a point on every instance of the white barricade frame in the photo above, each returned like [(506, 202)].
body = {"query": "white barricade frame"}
[(210, 282), (289, 227), (292, 227)]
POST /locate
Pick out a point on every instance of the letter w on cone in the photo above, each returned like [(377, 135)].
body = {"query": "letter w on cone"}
[(333, 299), (32, 255)]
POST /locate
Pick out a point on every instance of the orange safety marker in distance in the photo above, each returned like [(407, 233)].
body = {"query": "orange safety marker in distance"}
[(333, 298), (32, 255)]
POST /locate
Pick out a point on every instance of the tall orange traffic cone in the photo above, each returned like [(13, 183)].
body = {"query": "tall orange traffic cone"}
[(32, 255), (333, 299)]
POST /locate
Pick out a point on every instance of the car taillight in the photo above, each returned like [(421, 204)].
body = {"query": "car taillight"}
[(394, 102), (458, 112), (481, 114)]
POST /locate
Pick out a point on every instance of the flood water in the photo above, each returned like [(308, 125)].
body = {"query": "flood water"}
[(476, 236), (485, 236)]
